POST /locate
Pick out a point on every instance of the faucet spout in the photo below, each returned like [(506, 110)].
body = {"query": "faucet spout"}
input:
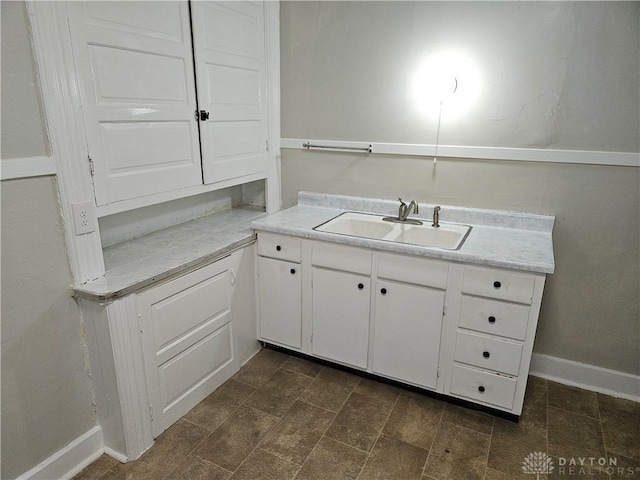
[(404, 209)]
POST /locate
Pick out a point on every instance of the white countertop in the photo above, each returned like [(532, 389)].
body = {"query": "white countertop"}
[(137, 263), (518, 241)]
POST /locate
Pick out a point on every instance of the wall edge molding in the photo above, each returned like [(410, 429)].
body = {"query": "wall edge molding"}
[(588, 377), (587, 157), (71, 459), (27, 167)]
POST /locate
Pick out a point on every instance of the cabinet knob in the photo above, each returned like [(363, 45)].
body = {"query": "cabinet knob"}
[(278, 247), (293, 271), (360, 286), (383, 291), (481, 389), (486, 354), (497, 284), (492, 319)]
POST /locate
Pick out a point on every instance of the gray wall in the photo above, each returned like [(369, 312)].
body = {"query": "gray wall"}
[(46, 391), (558, 75)]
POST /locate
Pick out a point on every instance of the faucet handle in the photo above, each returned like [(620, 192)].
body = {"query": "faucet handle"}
[(401, 202)]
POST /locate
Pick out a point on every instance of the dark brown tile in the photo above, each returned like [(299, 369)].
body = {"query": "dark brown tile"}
[(465, 417), (458, 453), (233, 441), (261, 465), (214, 409), (534, 410), (573, 435), (383, 392), (511, 443), (414, 419), (330, 389), (491, 474), (359, 422), (279, 392), (620, 467), (621, 429), (261, 367), (573, 399), (298, 432), (392, 458), (606, 402), (168, 451), (536, 381), (331, 460), (300, 365), (196, 468), (97, 469)]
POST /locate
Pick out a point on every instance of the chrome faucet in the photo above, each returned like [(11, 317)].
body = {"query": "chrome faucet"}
[(436, 216), (403, 210)]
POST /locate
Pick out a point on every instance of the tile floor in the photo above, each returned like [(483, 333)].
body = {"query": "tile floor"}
[(281, 417)]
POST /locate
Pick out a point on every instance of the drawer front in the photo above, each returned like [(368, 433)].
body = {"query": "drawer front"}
[(279, 246), (494, 317), (419, 271), (484, 387), (499, 284), (348, 259), (484, 352)]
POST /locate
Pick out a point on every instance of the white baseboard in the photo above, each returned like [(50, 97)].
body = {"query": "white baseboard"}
[(70, 460), (588, 377)]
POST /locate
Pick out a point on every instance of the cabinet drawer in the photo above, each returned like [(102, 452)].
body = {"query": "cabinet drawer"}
[(349, 259), (279, 246), (482, 386), (419, 271), (499, 284), (494, 317), (484, 352)]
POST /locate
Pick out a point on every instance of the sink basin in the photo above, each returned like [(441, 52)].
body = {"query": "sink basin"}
[(448, 236)]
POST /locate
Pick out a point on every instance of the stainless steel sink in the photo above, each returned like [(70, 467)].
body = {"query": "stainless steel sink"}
[(448, 236)]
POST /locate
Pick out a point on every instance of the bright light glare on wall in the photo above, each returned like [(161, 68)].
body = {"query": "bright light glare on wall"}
[(449, 78)]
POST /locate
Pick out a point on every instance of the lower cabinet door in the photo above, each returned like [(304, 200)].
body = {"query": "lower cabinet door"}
[(341, 316), (280, 290), (407, 326)]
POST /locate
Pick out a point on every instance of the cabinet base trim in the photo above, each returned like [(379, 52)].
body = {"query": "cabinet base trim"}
[(588, 377)]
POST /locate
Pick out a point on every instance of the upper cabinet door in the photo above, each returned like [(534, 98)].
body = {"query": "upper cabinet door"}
[(135, 67), (231, 78)]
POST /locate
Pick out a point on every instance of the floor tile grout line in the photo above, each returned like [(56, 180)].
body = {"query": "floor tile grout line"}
[(379, 434), (434, 440)]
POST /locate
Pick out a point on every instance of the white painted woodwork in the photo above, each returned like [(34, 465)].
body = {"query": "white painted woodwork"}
[(341, 316), (407, 326), (424, 331), (494, 317), (279, 246), (134, 63), (483, 387), (502, 356), (498, 284), (187, 340), (280, 299), (229, 52), (13, 168), (407, 269)]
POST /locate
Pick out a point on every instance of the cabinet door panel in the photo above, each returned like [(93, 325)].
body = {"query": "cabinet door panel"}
[(341, 316), (135, 69), (231, 77), (280, 301), (407, 326)]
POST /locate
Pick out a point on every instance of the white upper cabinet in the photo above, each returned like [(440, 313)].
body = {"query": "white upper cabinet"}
[(135, 66), (231, 77), (140, 94)]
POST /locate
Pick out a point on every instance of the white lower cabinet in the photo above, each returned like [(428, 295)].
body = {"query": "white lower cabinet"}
[(460, 330), (407, 326), (188, 343), (341, 316)]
